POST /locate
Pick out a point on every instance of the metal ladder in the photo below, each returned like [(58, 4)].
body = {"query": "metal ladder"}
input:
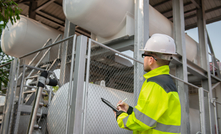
[(28, 95)]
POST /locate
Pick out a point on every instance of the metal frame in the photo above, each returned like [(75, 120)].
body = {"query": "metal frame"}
[(64, 71), (86, 84), (201, 90), (181, 70), (77, 115), (45, 53), (77, 96), (34, 110), (70, 84), (22, 107), (202, 110), (206, 84), (75, 123), (6, 123), (139, 43)]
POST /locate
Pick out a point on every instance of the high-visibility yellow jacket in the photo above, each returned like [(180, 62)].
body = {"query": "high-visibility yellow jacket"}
[(158, 109)]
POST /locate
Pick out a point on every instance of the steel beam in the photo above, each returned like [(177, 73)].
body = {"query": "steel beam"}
[(170, 10), (204, 62), (46, 14), (9, 101), (181, 70), (75, 123), (44, 5), (207, 22), (195, 3), (161, 3), (139, 43), (185, 13), (65, 69), (32, 6), (213, 55), (202, 110)]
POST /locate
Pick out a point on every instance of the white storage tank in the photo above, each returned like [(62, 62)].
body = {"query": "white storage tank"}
[(102, 17), (111, 19), (24, 36), (100, 119)]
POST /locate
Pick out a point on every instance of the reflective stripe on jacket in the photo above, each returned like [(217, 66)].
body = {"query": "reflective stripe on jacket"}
[(158, 109)]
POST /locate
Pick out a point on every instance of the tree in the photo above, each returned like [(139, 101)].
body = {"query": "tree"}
[(9, 12)]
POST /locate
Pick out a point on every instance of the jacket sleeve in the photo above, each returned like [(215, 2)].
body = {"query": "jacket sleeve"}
[(151, 105)]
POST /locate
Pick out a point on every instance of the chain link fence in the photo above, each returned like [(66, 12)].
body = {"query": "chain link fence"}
[(30, 67), (110, 75)]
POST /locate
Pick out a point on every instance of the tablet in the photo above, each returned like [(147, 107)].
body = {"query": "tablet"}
[(109, 104)]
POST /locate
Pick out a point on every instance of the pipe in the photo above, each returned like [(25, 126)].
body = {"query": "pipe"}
[(41, 85)]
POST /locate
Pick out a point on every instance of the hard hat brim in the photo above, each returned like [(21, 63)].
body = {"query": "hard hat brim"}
[(158, 52)]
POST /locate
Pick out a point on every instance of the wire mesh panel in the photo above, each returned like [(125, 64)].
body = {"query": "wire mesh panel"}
[(194, 110), (111, 77), (31, 66), (207, 112)]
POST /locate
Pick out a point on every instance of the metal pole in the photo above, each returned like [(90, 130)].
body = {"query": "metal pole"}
[(202, 110), (44, 55), (215, 113), (203, 47), (64, 69), (47, 42), (46, 47), (34, 110), (87, 84), (214, 86), (76, 104), (181, 71), (138, 44), (111, 49), (20, 100), (9, 99), (146, 19), (70, 85)]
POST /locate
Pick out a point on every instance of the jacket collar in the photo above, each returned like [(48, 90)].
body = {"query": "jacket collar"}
[(157, 71)]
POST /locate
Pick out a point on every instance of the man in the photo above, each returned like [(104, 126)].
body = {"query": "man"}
[(158, 109)]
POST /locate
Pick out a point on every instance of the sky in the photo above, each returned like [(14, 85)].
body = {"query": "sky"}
[(214, 30)]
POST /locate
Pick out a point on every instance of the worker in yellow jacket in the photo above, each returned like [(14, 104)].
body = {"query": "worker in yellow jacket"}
[(158, 109)]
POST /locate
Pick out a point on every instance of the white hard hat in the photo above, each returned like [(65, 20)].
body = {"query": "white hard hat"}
[(160, 43)]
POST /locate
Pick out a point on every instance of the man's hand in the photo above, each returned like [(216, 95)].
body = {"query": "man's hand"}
[(122, 106)]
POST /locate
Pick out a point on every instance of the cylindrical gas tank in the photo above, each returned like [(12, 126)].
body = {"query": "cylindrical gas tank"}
[(102, 17), (106, 18), (24, 36), (97, 121)]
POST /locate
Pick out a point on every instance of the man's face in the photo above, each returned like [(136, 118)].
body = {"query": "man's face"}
[(146, 65), (147, 62)]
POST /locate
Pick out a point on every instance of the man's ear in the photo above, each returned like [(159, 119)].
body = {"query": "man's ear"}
[(151, 60)]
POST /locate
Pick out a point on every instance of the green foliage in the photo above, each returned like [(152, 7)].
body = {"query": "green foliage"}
[(9, 11), (4, 71), (4, 77)]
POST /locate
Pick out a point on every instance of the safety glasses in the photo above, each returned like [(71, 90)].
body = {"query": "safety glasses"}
[(143, 55)]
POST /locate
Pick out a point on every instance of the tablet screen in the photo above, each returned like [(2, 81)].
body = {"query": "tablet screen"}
[(109, 104)]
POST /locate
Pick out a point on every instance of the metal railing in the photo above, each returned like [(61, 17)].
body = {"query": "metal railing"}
[(94, 71), (214, 65)]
